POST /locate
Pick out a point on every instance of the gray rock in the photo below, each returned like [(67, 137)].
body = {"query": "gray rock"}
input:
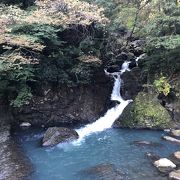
[(175, 133), (56, 135), (146, 143), (175, 158), (175, 175), (173, 107), (164, 165), (171, 139)]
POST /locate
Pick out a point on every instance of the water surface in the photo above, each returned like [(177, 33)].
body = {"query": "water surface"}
[(114, 146)]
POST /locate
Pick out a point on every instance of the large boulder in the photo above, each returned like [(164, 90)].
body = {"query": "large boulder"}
[(56, 135), (164, 165), (145, 112)]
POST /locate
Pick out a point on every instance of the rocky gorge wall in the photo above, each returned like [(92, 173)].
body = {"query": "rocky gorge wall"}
[(75, 105), (71, 106), (65, 105)]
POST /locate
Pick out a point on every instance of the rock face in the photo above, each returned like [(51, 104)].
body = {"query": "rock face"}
[(103, 172), (65, 105), (145, 112), (172, 101), (172, 105), (56, 135), (131, 83), (164, 165), (175, 175)]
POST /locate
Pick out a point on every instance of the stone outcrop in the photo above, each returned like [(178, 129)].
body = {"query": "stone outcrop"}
[(145, 112), (131, 84), (56, 135), (65, 106)]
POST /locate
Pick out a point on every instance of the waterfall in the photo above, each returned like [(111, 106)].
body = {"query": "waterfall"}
[(140, 57), (112, 114)]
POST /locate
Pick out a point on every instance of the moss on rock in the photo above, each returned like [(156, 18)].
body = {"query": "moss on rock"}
[(145, 112)]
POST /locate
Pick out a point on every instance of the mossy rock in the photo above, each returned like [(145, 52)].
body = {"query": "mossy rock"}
[(145, 112)]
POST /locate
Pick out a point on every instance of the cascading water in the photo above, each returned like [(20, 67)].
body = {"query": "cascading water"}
[(112, 114)]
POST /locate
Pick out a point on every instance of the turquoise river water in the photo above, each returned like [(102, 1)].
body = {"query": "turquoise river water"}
[(111, 147)]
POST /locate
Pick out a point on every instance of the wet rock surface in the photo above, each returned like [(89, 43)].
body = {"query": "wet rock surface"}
[(175, 157), (131, 84), (56, 135), (175, 175), (103, 172), (146, 143), (171, 139), (65, 106), (13, 165), (152, 156), (164, 165), (175, 133), (144, 112)]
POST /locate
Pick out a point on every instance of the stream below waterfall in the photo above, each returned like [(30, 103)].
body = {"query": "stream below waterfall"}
[(113, 146)]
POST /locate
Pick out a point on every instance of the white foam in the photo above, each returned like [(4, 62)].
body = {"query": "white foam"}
[(112, 114)]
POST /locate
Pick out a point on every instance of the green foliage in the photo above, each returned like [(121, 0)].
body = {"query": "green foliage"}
[(162, 33), (124, 16), (13, 80), (42, 33), (90, 47), (161, 61), (166, 42), (42, 44), (162, 85), (163, 25), (23, 97)]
